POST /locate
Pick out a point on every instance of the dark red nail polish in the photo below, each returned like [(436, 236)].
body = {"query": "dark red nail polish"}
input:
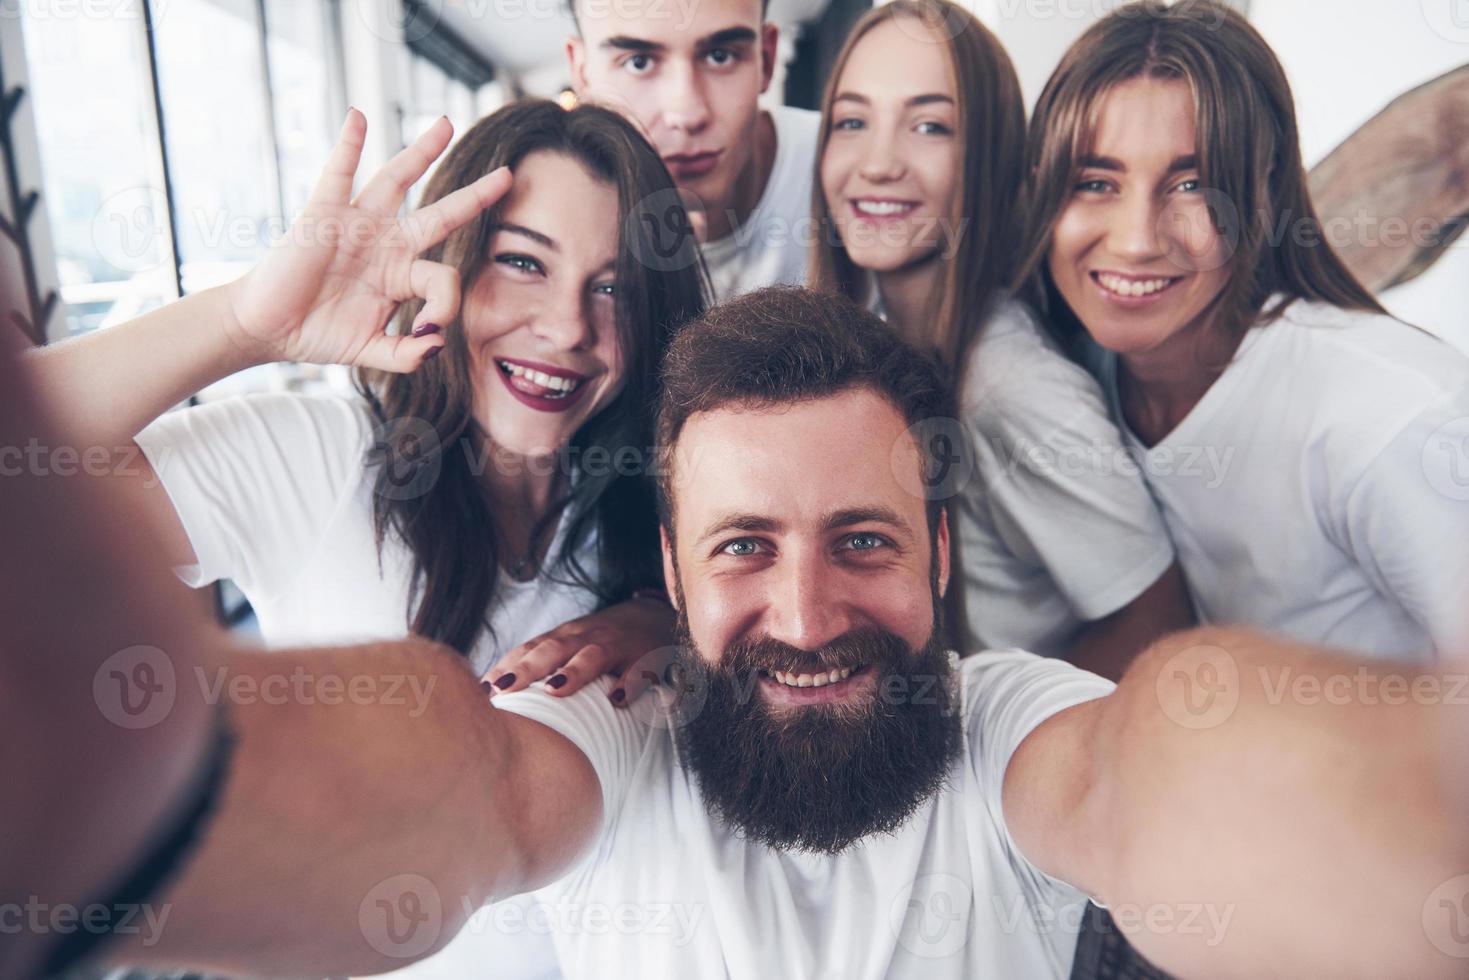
[(487, 686), (424, 329), (557, 682), (505, 681), (433, 352), (619, 696)]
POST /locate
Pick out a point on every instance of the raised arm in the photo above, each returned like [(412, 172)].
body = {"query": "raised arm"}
[(324, 294), (357, 835), (1257, 808)]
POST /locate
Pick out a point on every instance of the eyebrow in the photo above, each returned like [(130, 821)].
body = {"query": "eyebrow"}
[(533, 235), (833, 522), (917, 100), (729, 36), (1181, 163)]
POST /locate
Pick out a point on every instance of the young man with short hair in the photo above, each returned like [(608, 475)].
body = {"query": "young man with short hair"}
[(690, 73)]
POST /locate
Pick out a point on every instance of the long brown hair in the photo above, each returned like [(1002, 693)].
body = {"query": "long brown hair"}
[(427, 490), (1249, 152), (985, 216)]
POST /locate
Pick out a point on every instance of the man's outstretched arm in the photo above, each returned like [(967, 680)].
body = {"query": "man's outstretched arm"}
[(359, 835), (1251, 807)]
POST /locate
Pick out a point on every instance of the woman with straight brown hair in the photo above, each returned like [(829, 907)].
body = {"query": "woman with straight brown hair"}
[(1309, 452), (918, 208), (489, 485)]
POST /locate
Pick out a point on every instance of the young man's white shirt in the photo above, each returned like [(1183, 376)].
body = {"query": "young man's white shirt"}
[(1320, 488), (772, 245), (667, 890), (1055, 528), (274, 493)]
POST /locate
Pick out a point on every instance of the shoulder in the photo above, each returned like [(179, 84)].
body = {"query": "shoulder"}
[(1015, 374), (1341, 349), (1016, 690), (1370, 378)]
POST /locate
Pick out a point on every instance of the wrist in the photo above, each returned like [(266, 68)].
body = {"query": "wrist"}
[(244, 346)]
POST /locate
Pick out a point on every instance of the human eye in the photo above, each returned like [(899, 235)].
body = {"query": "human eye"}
[(722, 57), (933, 129), (740, 548), (521, 262), (1190, 186), (1093, 185), (638, 64), (849, 123), (865, 542), (608, 288)]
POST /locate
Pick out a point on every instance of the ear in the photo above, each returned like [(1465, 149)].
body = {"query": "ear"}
[(769, 41), (942, 544), (670, 574), (576, 57)]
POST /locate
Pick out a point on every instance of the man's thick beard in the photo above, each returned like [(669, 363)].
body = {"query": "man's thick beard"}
[(821, 777)]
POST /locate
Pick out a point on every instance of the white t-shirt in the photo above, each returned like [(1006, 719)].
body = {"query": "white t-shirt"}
[(770, 247), (1053, 531), (1320, 488), (667, 890), (273, 493)]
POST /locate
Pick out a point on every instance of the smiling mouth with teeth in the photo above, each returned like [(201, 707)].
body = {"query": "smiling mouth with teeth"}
[(538, 383), (882, 209), (791, 679), (1133, 288)]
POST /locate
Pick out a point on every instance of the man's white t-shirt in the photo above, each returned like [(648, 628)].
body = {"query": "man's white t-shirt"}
[(667, 890), (273, 492), (1055, 528), (771, 246), (1320, 488)]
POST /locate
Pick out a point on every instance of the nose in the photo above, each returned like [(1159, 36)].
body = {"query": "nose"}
[(564, 323), (685, 107), (1135, 229), (882, 159), (807, 607)]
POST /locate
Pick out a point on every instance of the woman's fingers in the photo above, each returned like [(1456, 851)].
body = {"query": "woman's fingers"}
[(532, 662), (385, 192), (430, 225), (334, 186), (585, 666), (438, 286)]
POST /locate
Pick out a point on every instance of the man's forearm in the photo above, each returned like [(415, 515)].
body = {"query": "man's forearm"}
[(1279, 810), (357, 829)]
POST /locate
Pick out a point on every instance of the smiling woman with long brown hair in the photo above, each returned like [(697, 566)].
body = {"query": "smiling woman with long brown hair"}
[(1173, 229), (919, 212), (480, 492)]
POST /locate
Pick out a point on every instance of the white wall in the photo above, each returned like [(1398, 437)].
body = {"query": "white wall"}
[(1346, 61)]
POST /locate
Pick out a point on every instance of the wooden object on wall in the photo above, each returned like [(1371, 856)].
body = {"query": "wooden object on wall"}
[(1401, 183)]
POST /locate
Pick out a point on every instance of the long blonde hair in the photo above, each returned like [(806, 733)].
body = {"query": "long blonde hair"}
[(986, 213)]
